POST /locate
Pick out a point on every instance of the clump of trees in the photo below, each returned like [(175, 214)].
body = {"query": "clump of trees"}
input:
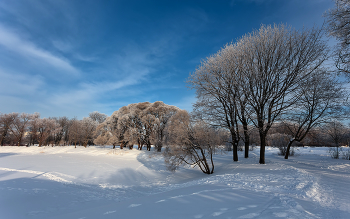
[(274, 74), (141, 124)]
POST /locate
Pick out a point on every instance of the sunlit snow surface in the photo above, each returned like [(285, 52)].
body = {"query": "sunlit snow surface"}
[(97, 182)]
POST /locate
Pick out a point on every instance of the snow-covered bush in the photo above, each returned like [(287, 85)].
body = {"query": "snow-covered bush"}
[(334, 152), (346, 153), (192, 143)]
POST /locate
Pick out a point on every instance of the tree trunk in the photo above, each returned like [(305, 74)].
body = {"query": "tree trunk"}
[(246, 149), (235, 152), (2, 141), (159, 146), (262, 148), (337, 145), (246, 140), (3, 137), (288, 149)]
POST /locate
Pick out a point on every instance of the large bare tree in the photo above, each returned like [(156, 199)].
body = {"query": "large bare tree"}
[(75, 131), (274, 61), (336, 131), (338, 20), (218, 94), (321, 99), (256, 79)]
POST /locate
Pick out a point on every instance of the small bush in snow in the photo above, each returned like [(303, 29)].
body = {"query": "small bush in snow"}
[(335, 152), (346, 153), (281, 141)]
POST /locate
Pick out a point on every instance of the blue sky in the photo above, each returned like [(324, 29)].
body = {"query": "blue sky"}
[(69, 58)]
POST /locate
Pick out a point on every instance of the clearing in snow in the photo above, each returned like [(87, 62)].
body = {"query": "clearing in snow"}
[(100, 182)]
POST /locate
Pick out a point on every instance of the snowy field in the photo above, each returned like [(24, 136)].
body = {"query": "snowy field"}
[(97, 182)]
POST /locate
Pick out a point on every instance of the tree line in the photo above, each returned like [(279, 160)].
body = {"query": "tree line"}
[(29, 129)]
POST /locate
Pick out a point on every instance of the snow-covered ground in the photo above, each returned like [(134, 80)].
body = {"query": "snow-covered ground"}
[(97, 182)]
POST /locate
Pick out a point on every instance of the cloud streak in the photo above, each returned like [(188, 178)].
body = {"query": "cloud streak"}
[(11, 41)]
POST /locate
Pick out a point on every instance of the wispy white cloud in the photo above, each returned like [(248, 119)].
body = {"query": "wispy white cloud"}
[(11, 41), (13, 83)]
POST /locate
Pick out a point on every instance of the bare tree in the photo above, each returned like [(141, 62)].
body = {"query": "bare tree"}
[(33, 128), (6, 121), (336, 131), (87, 129), (218, 93), (74, 131), (274, 60), (256, 79), (62, 136), (191, 143), (321, 99), (338, 20)]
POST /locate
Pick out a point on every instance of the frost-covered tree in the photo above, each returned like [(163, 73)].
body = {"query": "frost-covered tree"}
[(98, 117), (338, 20), (274, 61), (137, 123), (256, 78), (20, 126), (6, 121), (75, 131), (162, 114), (33, 129), (192, 143), (62, 136), (87, 130), (220, 99), (336, 131), (136, 132), (113, 129), (45, 128)]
